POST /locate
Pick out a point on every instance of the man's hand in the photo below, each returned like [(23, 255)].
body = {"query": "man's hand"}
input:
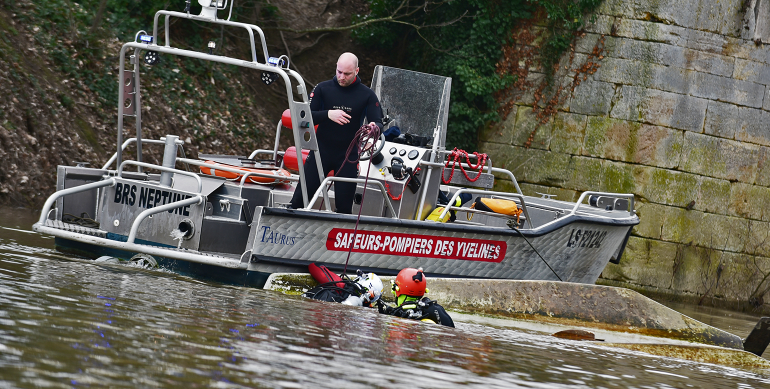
[(339, 116)]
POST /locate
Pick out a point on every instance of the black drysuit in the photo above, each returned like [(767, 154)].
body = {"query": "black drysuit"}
[(358, 101)]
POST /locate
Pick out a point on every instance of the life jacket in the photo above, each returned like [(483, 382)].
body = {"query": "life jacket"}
[(423, 309)]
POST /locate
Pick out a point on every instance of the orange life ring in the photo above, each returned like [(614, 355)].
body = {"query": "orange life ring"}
[(277, 174)]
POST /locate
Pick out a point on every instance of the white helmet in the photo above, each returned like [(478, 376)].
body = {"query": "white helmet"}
[(373, 286)]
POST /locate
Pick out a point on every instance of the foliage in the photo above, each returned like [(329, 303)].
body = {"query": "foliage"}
[(565, 17), (463, 39)]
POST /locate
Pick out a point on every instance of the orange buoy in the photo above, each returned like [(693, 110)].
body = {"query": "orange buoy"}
[(276, 175), (290, 158)]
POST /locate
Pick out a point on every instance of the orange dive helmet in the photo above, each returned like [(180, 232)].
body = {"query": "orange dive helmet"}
[(410, 282)]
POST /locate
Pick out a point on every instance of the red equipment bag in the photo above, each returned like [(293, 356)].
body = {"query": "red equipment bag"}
[(324, 275)]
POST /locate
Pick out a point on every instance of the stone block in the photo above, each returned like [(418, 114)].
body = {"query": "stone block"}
[(758, 242), (740, 276), (624, 71), (722, 119), (752, 71), (705, 229), (633, 142), (749, 201), (592, 98), (585, 173), (661, 108), (618, 177), (646, 262), (528, 125), (658, 146), (730, 90), (720, 17), (651, 31), (706, 41), (763, 167), (501, 132), (652, 217), (719, 158), (567, 133), (754, 125), (602, 25), (713, 195), (645, 51), (702, 61), (668, 187), (559, 193), (530, 165), (766, 102)]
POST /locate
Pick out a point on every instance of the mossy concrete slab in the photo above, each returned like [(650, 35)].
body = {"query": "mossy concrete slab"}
[(660, 108), (634, 142), (720, 158), (593, 306), (568, 132), (750, 201), (644, 262), (529, 131)]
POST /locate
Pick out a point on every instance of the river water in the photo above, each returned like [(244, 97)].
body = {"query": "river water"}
[(69, 323)]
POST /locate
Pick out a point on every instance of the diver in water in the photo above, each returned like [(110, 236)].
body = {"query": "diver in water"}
[(409, 289), (365, 290)]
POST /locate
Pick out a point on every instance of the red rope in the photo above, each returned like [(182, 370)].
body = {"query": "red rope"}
[(364, 139), (455, 159), (387, 187)]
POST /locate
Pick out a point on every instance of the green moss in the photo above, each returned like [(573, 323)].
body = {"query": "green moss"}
[(618, 178)]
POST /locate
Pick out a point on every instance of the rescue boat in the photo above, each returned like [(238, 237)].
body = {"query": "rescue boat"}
[(219, 218)]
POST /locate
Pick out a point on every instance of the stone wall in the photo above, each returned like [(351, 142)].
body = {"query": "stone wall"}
[(678, 114)]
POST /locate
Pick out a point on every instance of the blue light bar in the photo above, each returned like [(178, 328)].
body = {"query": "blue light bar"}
[(145, 39), (272, 61)]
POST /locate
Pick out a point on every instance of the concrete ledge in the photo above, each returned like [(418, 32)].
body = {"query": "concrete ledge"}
[(592, 306)]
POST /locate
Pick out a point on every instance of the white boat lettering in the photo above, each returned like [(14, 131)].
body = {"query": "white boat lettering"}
[(149, 198), (275, 237), (586, 238), (379, 242)]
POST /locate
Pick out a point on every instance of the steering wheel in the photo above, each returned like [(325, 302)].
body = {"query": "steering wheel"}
[(369, 154)]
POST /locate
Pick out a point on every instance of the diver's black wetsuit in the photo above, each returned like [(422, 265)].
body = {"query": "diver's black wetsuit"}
[(358, 101)]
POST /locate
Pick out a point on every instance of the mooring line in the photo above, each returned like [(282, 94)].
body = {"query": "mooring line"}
[(538, 254)]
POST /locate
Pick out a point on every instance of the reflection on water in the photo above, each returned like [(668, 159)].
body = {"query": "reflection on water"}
[(66, 322)]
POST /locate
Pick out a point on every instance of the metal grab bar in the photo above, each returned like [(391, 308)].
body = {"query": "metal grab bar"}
[(61, 193), (163, 169), (629, 196), (166, 207), (481, 191), (492, 169), (131, 140), (321, 189), (249, 27)]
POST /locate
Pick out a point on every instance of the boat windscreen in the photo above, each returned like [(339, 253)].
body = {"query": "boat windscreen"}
[(418, 102)]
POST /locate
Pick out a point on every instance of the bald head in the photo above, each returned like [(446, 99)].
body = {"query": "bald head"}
[(347, 69)]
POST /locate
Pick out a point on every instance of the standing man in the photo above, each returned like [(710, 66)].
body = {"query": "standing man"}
[(339, 107)]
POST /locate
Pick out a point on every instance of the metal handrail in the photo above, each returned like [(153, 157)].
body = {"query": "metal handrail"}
[(486, 192), (197, 199), (628, 196), (492, 169), (249, 27), (233, 170), (163, 169), (131, 140), (65, 192), (322, 190)]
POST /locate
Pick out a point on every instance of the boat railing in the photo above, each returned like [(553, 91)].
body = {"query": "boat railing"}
[(504, 195), (489, 169), (629, 196), (66, 192), (197, 199), (322, 191), (161, 168), (128, 141)]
